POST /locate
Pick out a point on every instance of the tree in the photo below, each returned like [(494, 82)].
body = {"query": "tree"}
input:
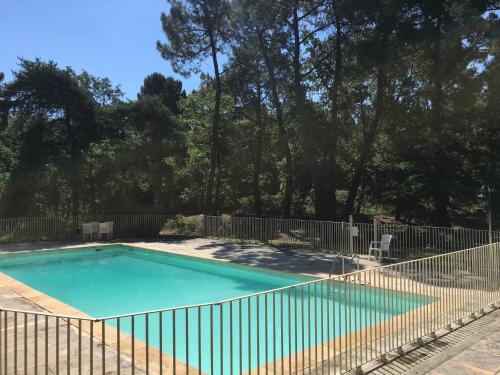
[(155, 147), (386, 37), (196, 120), (327, 60), (100, 89), (61, 125), (260, 27), (244, 82), (168, 89), (195, 31), (449, 45)]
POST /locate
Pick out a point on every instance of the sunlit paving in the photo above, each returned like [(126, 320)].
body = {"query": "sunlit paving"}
[(223, 187)]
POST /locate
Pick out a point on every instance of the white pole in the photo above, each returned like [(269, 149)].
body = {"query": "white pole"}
[(490, 224), (351, 238)]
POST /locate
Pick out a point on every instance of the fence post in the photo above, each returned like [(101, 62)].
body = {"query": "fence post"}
[(351, 238), (375, 224), (490, 227), (204, 226)]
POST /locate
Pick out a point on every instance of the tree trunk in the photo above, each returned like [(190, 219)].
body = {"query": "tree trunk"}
[(214, 146), (287, 199), (297, 76), (316, 170), (92, 191), (440, 193), (366, 147), (334, 128), (326, 181), (361, 200), (74, 162), (397, 210), (218, 184), (257, 201)]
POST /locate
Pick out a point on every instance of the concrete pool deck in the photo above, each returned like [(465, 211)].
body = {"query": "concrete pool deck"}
[(261, 255)]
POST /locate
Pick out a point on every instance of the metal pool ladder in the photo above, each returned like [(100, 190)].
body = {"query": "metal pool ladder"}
[(354, 256), (332, 268)]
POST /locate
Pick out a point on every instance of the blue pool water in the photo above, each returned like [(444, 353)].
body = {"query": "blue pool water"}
[(117, 280)]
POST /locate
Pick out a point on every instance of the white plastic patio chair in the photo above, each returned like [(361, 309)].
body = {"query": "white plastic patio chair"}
[(90, 229), (106, 229), (380, 247)]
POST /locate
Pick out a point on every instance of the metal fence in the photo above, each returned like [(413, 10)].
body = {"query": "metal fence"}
[(69, 228), (38, 229), (353, 238), (327, 326), (346, 237)]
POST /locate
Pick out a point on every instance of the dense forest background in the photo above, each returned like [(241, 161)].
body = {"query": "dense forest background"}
[(317, 108)]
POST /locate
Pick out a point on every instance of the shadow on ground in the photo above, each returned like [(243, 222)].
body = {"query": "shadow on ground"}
[(297, 260)]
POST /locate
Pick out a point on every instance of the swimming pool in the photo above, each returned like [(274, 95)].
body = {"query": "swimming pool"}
[(240, 334)]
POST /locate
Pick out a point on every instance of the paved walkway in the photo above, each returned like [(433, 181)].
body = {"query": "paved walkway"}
[(52, 355), (473, 349)]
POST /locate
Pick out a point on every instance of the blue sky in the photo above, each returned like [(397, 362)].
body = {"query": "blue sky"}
[(108, 38)]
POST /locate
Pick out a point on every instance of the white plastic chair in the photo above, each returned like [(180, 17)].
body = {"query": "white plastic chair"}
[(380, 246), (90, 229), (106, 229)]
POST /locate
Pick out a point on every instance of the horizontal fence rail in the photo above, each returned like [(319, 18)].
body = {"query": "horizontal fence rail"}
[(327, 326), (348, 238)]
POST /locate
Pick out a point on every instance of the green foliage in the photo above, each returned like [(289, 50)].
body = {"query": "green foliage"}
[(168, 90), (58, 118), (321, 108), (192, 27), (184, 226)]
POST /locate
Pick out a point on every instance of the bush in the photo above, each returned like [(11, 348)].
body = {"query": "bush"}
[(184, 226)]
